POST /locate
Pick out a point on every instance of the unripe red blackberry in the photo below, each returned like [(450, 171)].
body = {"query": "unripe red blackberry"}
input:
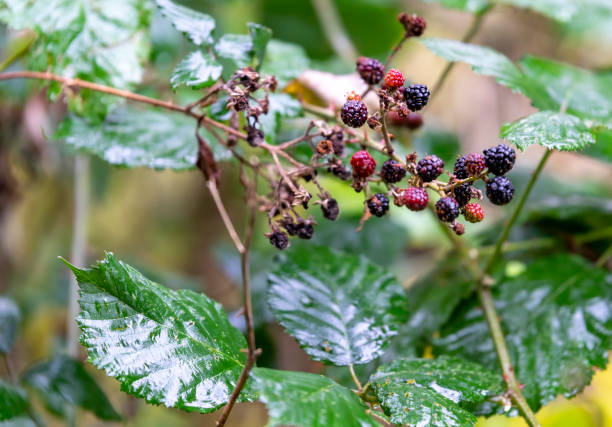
[(430, 167), (392, 171), (330, 209), (354, 113), (394, 79), (463, 193), (279, 240), (415, 198), (474, 163), (500, 190), (411, 120), (416, 96), (499, 159), (447, 209), (473, 213), (363, 164), (378, 204), (370, 70)]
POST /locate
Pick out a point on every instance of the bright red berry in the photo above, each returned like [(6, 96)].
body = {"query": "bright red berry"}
[(473, 212), (394, 79), (363, 164), (415, 198)]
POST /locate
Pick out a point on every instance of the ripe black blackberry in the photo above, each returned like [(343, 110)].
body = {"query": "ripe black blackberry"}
[(460, 169), (305, 230), (370, 70), (378, 204), (430, 167), (354, 113), (463, 194), (392, 171), (500, 190), (447, 209), (499, 159), (416, 96), (330, 209), (279, 240)]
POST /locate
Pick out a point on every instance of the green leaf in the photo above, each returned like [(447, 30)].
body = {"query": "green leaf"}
[(549, 129), (341, 308), (196, 26), (9, 322), (64, 381), (483, 60), (234, 51), (172, 347), (284, 60), (281, 106), (438, 392), (473, 6), (602, 149), (260, 36), (196, 71), (308, 400), (136, 138), (103, 41), (13, 401), (557, 324), (585, 93), (560, 10)]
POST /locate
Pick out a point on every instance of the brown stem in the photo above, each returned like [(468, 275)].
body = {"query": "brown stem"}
[(396, 49), (385, 133)]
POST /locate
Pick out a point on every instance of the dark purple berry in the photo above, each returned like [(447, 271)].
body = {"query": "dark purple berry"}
[(474, 163), (392, 171), (378, 204), (354, 113), (463, 194), (447, 209), (460, 169), (430, 167), (370, 70), (279, 240), (416, 96), (499, 159), (500, 190), (305, 230)]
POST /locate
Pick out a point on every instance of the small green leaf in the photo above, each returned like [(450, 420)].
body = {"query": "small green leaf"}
[(308, 400), (602, 149), (281, 106), (197, 26), (260, 36), (549, 129), (13, 401), (64, 381), (341, 308), (557, 323), (175, 348), (136, 138), (196, 71), (234, 51), (9, 322), (433, 392), (284, 60)]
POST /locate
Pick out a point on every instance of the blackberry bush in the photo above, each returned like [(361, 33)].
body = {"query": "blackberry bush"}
[(249, 115)]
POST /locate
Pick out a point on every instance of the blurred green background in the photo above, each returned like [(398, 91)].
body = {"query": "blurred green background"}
[(165, 224)]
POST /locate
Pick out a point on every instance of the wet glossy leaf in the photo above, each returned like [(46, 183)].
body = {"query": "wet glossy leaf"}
[(234, 51), (433, 392), (136, 138), (63, 381), (175, 348), (558, 325), (9, 322), (284, 60), (550, 129), (341, 308), (260, 36), (602, 149), (562, 10), (13, 401), (197, 26), (586, 94), (308, 400), (281, 107), (196, 71)]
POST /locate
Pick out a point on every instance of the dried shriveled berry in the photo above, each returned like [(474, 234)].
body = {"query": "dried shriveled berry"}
[(305, 230), (463, 193), (279, 240), (415, 25), (330, 209), (363, 164)]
